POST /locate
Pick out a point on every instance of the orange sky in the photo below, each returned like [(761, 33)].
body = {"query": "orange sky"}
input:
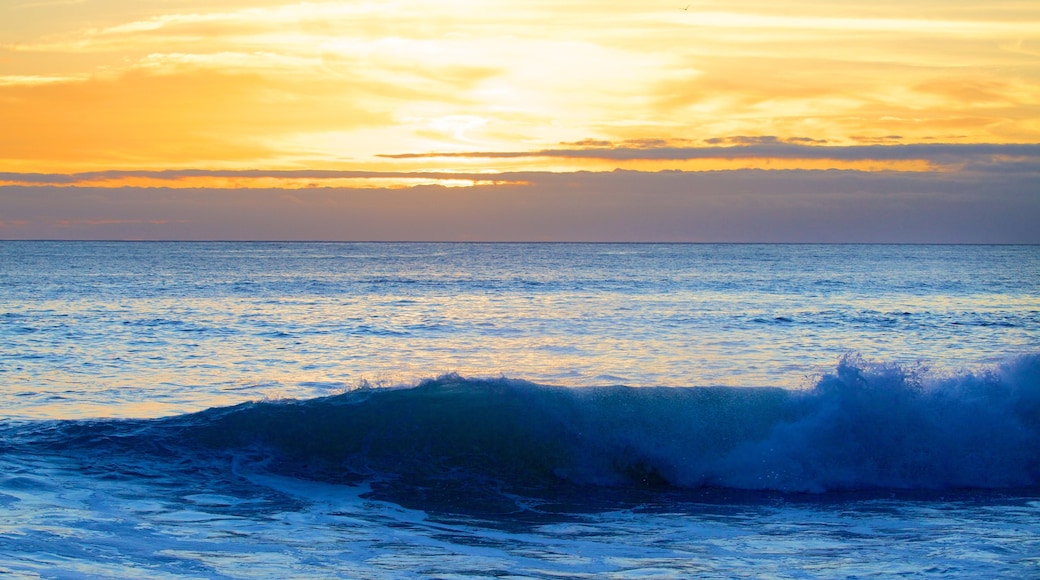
[(110, 93)]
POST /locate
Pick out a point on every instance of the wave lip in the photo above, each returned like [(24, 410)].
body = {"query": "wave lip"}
[(864, 426), (885, 426)]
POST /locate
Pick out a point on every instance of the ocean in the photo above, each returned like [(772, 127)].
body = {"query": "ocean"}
[(440, 410)]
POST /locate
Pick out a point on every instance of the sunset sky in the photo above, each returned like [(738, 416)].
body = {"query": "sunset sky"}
[(887, 121)]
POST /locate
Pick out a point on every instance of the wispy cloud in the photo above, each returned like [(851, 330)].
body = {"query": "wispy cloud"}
[(238, 179), (765, 148), (321, 82), (31, 80), (761, 152)]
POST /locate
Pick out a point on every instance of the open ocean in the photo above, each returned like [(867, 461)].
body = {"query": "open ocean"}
[(429, 410)]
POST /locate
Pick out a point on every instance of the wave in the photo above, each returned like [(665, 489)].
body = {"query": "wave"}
[(863, 426)]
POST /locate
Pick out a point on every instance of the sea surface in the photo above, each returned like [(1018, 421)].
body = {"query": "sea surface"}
[(427, 410)]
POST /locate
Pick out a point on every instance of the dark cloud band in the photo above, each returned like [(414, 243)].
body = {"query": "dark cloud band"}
[(763, 148)]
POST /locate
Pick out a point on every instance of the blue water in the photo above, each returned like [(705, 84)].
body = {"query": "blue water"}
[(242, 410)]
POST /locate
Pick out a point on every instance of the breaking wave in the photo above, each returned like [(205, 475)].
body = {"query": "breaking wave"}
[(863, 426)]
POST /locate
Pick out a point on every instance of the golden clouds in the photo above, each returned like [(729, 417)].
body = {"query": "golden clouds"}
[(140, 118), (278, 83)]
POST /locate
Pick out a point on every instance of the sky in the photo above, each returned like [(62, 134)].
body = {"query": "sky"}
[(565, 120)]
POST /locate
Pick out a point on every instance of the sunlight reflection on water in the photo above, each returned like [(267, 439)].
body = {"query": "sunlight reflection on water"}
[(126, 329)]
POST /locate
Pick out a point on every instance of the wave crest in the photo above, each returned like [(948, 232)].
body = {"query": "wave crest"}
[(864, 426), (886, 426)]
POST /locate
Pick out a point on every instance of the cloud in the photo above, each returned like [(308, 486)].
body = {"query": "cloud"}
[(41, 178), (714, 206), (265, 83), (766, 148), (184, 117), (962, 158), (314, 177)]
